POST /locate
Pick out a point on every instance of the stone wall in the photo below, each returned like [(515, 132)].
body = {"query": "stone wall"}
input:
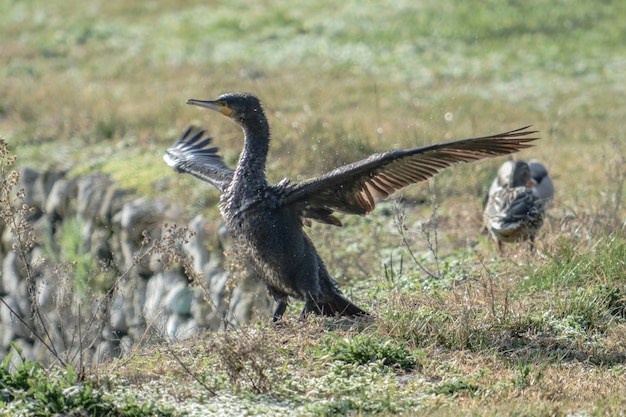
[(131, 294)]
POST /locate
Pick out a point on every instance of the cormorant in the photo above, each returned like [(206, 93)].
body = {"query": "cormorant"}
[(266, 220)]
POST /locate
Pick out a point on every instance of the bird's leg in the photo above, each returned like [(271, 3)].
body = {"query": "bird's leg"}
[(310, 306), (280, 310), (500, 248)]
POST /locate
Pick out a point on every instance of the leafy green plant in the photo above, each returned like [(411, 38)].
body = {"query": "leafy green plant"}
[(455, 387), (363, 350), (522, 376), (31, 388), (525, 377)]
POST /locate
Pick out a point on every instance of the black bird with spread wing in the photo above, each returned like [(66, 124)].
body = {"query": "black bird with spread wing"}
[(266, 221)]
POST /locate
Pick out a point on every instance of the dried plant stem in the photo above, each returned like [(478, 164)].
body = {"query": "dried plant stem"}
[(399, 216)]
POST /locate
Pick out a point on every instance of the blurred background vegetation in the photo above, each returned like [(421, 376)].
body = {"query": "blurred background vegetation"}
[(101, 86)]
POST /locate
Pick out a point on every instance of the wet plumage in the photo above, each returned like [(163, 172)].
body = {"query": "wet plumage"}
[(267, 220)]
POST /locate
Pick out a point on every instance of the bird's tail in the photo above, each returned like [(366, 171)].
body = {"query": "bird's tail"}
[(337, 305), (331, 302)]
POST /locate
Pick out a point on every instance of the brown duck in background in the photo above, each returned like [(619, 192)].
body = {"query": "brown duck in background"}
[(266, 221), (516, 203), (540, 182)]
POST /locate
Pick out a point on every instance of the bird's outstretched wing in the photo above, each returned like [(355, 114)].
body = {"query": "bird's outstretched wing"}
[(191, 155), (355, 188)]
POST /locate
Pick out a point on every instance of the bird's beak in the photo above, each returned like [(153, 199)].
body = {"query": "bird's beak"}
[(531, 183), (213, 105)]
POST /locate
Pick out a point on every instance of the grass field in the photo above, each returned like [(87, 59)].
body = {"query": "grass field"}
[(101, 88)]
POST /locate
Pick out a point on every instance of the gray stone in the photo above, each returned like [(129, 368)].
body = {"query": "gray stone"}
[(134, 309), (136, 217), (6, 242), (28, 177), (86, 228), (196, 246), (106, 333), (112, 201), (40, 352), (178, 299), (134, 300), (7, 334), (171, 326), (91, 191), (137, 332), (105, 351), (154, 262), (10, 278), (203, 312), (217, 285), (87, 357), (61, 199), (37, 186), (249, 295), (11, 319), (118, 314), (224, 237), (43, 186), (125, 346), (22, 298), (155, 290), (100, 246), (188, 329), (45, 294), (180, 328)]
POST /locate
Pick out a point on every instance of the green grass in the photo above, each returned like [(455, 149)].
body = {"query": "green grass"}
[(101, 88), (570, 265), (364, 350), (34, 390)]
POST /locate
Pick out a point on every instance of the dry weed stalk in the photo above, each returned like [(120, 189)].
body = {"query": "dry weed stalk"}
[(428, 229), (248, 358), (79, 329), (14, 214)]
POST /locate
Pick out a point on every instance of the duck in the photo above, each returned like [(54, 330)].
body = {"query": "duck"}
[(513, 210), (266, 221), (541, 184)]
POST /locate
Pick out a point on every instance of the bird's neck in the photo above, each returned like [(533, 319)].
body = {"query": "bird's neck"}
[(251, 166)]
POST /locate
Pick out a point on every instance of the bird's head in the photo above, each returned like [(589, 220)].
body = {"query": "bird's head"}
[(243, 108), (538, 171)]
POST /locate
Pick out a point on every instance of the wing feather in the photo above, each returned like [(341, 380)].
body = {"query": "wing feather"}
[(355, 188), (190, 155)]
